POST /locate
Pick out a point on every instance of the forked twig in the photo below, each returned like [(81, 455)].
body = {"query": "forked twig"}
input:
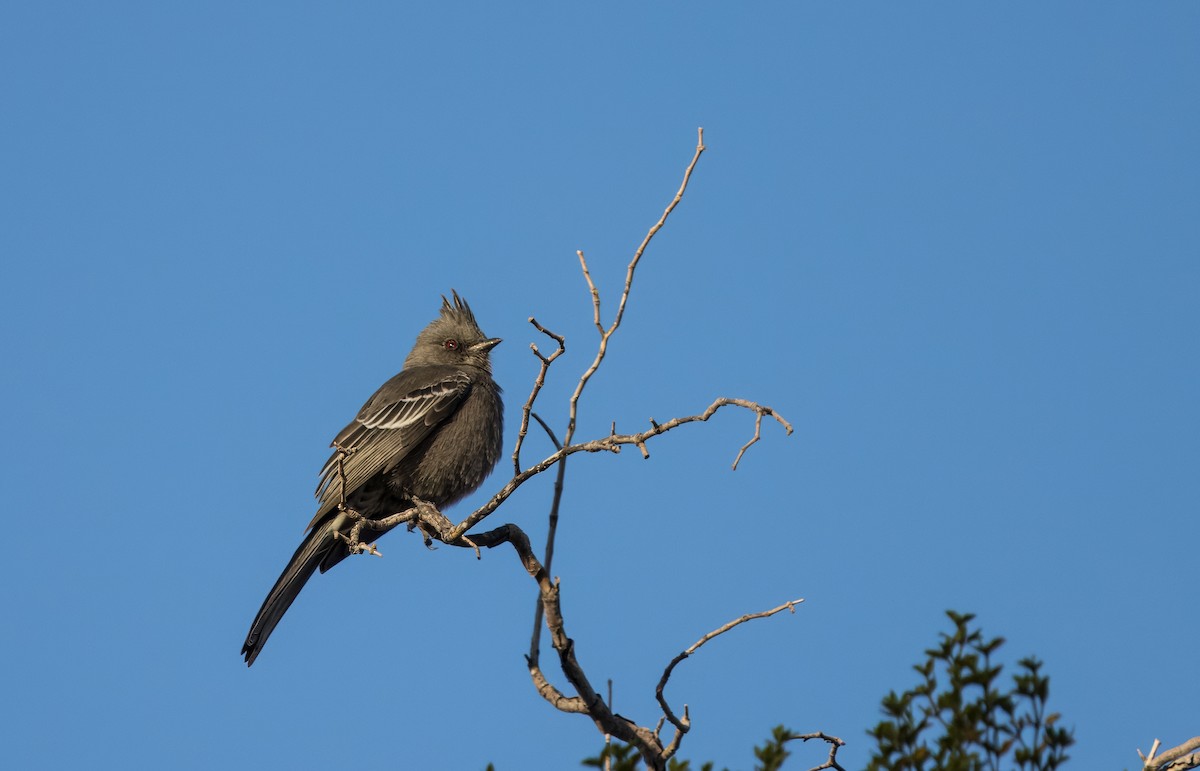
[(538, 383), (611, 443), (1180, 758), (834, 745)]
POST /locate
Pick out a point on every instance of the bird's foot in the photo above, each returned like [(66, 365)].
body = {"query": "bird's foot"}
[(426, 538), (353, 543), (432, 521), (355, 546)]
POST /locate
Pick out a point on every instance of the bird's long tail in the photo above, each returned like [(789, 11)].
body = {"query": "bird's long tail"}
[(315, 547)]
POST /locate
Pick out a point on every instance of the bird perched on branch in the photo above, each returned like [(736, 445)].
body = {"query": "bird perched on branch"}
[(432, 433)]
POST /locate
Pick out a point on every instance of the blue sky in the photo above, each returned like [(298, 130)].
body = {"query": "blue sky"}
[(957, 245)]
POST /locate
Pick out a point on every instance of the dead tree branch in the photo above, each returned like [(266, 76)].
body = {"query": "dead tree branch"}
[(435, 526), (1179, 758), (587, 700)]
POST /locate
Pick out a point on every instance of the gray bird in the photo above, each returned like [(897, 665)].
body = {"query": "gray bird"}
[(432, 432)]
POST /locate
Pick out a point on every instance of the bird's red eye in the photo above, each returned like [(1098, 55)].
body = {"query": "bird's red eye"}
[(451, 344)]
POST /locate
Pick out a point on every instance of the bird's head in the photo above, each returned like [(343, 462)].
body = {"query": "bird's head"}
[(454, 338)]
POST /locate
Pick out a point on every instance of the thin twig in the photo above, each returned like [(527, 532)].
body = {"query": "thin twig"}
[(608, 736), (687, 175), (538, 383), (758, 416), (611, 443), (682, 725), (535, 644), (593, 292)]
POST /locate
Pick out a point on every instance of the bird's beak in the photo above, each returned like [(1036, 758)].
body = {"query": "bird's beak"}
[(486, 345)]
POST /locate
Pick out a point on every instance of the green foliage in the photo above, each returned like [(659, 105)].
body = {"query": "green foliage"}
[(616, 756), (622, 757), (772, 754), (971, 724)]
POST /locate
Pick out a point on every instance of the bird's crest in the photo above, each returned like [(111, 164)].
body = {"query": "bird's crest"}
[(459, 309)]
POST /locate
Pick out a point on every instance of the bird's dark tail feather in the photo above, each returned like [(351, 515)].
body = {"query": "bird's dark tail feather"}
[(314, 548)]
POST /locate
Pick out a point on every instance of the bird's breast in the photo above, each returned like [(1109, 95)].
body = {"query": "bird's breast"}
[(459, 454)]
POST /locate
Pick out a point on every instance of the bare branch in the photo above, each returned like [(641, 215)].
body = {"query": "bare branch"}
[(1182, 764), (605, 334), (682, 725), (673, 747), (834, 744), (553, 695), (593, 291), (757, 435), (535, 643), (611, 443), (590, 701), (687, 176), (608, 736), (1179, 758)]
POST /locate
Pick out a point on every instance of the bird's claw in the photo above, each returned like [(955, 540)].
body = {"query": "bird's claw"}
[(355, 546)]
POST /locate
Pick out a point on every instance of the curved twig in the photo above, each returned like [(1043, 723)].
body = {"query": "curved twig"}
[(834, 745), (683, 724)]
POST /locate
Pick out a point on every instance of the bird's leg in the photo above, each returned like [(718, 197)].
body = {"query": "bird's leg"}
[(353, 544), (414, 523), (342, 453)]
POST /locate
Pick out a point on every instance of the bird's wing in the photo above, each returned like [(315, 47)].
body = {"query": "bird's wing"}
[(392, 422)]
